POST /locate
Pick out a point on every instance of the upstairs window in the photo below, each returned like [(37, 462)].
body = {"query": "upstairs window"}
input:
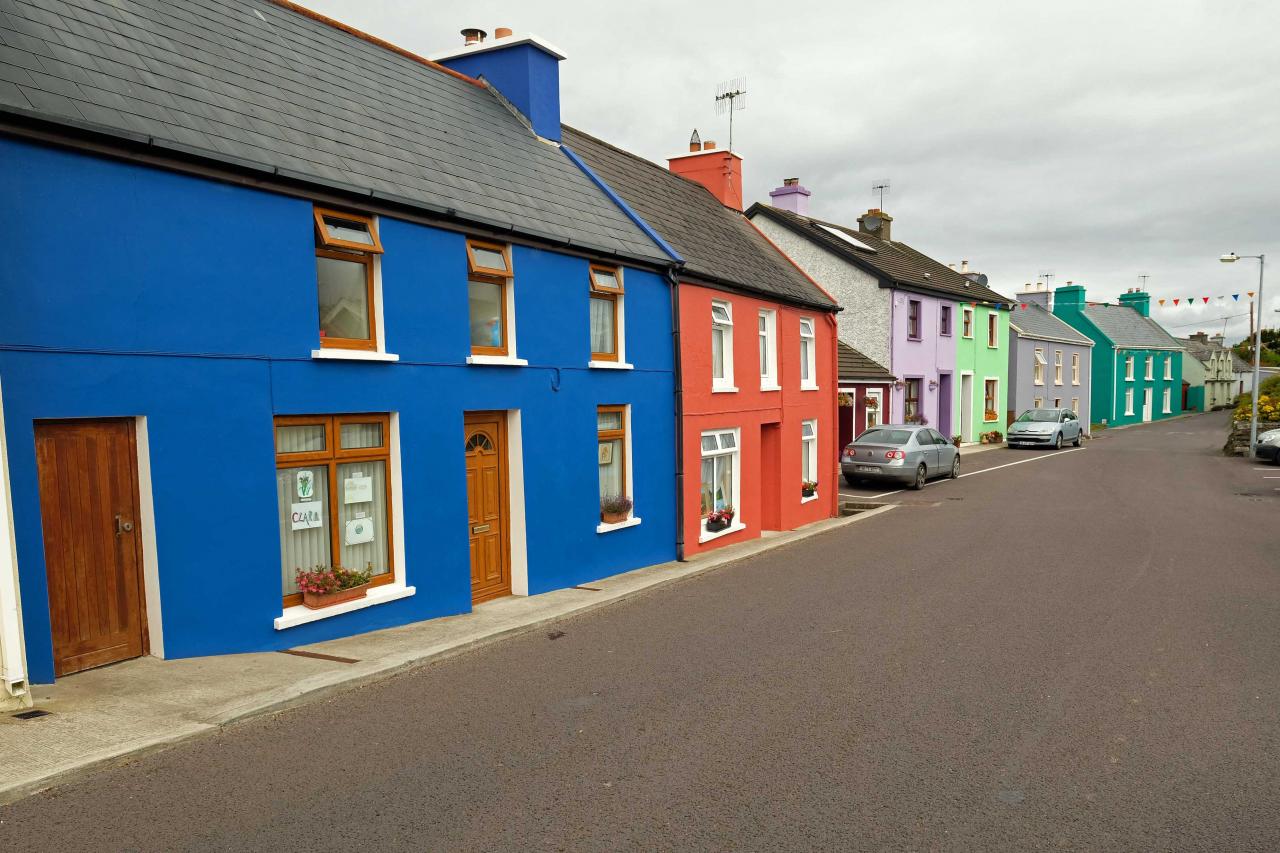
[(913, 319), (346, 247), (944, 320), (1057, 367), (1168, 367), (768, 323), (808, 355), (1150, 371), (1075, 368), (489, 297), (1037, 369), (993, 330), (606, 310), (721, 346), (1128, 369), (966, 322)]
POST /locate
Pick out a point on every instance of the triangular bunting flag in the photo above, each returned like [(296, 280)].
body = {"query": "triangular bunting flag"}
[(1250, 294), (1235, 297), (1175, 302), (1206, 299), (1161, 301), (1024, 306)]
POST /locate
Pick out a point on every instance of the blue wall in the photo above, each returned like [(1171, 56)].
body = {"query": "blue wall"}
[(527, 76), (193, 303)]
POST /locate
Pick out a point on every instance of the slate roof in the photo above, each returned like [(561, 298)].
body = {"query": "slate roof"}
[(716, 242), (1239, 365), (1201, 350), (258, 85), (1035, 322), (1127, 328), (892, 260), (856, 367)]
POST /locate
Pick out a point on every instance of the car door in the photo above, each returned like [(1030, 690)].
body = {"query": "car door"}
[(928, 454), (939, 452), (1070, 427)]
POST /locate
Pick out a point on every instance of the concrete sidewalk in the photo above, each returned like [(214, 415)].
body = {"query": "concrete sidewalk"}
[(117, 712)]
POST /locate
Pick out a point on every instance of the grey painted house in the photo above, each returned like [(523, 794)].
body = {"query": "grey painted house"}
[(1050, 363)]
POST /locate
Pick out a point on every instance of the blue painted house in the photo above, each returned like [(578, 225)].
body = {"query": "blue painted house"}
[(278, 296), (1136, 366)]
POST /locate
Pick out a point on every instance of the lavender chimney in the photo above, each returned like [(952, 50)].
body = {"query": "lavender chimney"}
[(791, 196)]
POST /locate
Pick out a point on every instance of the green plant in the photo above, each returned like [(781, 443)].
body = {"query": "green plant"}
[(615, 504), (322, 579)]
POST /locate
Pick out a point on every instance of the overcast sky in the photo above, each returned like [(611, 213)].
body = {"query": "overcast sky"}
[(1094, 140)]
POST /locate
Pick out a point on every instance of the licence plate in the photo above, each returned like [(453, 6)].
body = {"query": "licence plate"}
[(870, 469)]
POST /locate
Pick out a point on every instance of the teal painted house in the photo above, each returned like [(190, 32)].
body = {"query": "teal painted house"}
[(1137, 365)]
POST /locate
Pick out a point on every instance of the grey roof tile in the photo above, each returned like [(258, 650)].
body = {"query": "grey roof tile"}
[(715, 241), (248, 81), (1125, 327), (11, 95), (893, 260), (14, 74), (853, 366), (1035, 322)]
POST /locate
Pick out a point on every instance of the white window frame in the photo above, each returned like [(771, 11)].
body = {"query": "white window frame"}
[(1075, 405), (808, 354), (1168, 367), (1128, 401), (1150, 372), (1128, 369), (1037, 403), (1057, 402), (1057, 367), (809, 455), (873, 394), (993, 330), (1075, 368), (1038, 366), (769, 339), (966, 322), (736, 455), (1167, 401), (725, 327)]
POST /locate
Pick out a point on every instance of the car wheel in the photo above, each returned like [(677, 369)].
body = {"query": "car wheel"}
[(1077, 441), (850, 481), (1057, 441), (955, 467), (918, 482)]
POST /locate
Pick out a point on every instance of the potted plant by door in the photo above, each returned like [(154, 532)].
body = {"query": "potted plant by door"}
[(809, 488), (615, 509), (956, 439), (719, 519), (325, 587)]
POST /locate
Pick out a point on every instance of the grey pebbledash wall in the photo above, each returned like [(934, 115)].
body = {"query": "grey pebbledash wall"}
[(864, 324)]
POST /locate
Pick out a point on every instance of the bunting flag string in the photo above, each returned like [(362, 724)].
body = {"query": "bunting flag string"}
[(1175, 301)]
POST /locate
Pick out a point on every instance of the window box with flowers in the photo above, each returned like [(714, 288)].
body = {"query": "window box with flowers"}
[(719, 519), (324, 587), (809, 488), (615, 509), (991, 415)]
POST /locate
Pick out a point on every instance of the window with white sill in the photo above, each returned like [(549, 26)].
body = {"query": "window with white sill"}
[(607, 316), (1075, 368), (1037, 368), (1057, 367), (1168, 367), (721, 345), (768, 327), (720, 479), (809, 453), (1150, 372), (808, 355), (348, 279), (1128, 370)]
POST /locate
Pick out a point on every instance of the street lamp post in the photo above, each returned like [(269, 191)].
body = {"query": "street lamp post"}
[(1231, 258)]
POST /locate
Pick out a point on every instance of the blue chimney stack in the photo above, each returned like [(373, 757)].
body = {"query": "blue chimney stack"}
[(525, 69)]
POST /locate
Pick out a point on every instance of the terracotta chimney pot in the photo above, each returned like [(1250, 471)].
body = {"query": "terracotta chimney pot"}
[(501, 32)]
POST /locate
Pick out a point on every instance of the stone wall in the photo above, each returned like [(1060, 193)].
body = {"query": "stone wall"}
[(1238, 439)]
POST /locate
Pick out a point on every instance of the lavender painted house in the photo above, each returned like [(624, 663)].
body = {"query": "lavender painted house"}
[(901, 309), (1050, 363)]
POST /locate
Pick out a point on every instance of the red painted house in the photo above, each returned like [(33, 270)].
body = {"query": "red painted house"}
[(757, 345)]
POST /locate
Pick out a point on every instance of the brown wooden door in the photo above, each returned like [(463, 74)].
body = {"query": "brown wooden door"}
[(89, 509), (486, 449)]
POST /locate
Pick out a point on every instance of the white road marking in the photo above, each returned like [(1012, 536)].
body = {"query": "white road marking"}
[(983, 471)]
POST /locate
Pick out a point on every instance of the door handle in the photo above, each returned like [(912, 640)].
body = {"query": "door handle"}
[(123, 526)]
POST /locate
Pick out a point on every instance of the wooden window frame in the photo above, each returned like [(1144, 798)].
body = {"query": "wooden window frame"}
[(489, 275), (944, 320), (907, 399), (610, 295), (994, 384), (331, 457), (966, 323), (353, 343), (322, 233), (915, 310), (993, 331), (616, 434)]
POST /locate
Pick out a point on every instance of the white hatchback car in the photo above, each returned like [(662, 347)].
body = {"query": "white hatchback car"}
[(1045, 428)]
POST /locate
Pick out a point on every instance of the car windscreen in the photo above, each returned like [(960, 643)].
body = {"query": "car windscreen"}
[(884, 436), (1038, 415)]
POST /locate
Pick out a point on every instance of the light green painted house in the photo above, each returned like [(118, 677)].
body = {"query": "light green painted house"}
[(1137, 365), (982, 371)]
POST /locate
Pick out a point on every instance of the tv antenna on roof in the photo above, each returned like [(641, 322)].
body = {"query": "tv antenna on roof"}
[(1046, 275), (882, 187), (1143, 277), (731, 96)]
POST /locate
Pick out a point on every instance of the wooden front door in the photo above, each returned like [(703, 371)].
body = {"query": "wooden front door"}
[(92, 548), (486, 450)]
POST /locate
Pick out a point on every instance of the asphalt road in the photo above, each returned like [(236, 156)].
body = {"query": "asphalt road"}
[(1079, 652)]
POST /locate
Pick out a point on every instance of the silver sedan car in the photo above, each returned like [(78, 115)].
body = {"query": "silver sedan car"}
[(902, 453), (1045, 428)]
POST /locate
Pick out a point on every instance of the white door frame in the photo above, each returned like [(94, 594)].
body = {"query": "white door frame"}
[(1148, 400), (966, 405), (14, 692)]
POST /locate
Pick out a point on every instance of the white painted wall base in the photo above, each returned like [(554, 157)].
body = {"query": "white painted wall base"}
[(15, 692)]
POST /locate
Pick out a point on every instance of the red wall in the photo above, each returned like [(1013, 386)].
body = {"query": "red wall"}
[(769, 421)]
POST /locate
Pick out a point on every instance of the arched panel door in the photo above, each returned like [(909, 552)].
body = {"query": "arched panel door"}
[(487, 526)]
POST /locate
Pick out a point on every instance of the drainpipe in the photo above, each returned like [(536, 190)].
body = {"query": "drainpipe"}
[(834, 328), (13, 677), (1115, 375), (678, 371)]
